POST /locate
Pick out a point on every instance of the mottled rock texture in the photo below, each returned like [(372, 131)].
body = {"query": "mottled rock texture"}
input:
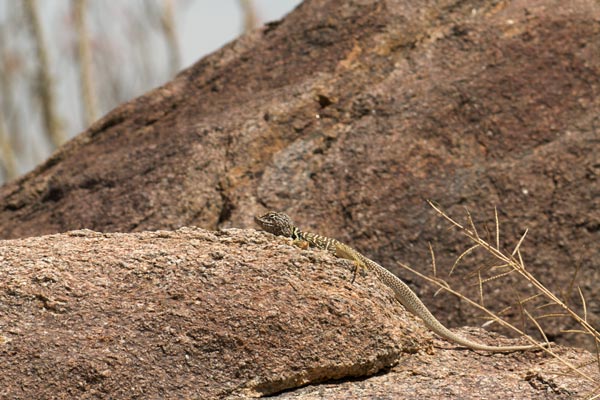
[(349, 115), (199, 314), (186, 313)]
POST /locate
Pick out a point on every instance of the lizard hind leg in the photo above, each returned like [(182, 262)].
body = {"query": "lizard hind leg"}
[(358, 266), (343, 251)]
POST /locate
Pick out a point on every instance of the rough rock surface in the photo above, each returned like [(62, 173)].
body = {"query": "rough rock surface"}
[(349, 115), (237, 313), (172, 314)]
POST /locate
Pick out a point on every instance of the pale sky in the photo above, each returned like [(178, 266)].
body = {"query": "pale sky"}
[(207, 25), (203, 26)]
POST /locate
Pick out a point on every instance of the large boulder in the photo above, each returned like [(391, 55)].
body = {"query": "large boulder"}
[(236, 314), (349, 115)]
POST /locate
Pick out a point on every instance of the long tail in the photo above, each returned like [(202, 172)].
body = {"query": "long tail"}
[(412, 303)]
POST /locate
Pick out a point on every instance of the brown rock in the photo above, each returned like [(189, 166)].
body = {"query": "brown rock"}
[(199, 314), (348, 116), (186, 313)]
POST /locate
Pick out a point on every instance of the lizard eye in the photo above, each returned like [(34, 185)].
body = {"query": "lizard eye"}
[(276, 223)]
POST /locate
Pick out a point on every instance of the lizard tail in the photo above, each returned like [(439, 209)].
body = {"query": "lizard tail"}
[(412, 303)]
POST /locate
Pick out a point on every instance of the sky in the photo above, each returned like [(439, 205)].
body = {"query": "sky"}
[(207, 25), (202, 26)]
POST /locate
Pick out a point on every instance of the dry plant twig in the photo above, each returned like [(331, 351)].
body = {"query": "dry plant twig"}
[(514, 260)]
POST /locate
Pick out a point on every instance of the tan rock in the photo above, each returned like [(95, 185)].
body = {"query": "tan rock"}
[(348, 116), (199, 314)]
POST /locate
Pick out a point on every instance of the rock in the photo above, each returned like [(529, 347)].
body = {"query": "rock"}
[(236, 314), (349, 116)]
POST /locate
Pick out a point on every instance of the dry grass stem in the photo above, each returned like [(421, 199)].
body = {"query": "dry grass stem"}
[(583, 304), (519, 267), (480, 287), (578, 331), (495, 277), (433, 267), (497, 227), (514, 261), (463, 254), (506, 324), (501, 266), (516, 250), (535, 322)]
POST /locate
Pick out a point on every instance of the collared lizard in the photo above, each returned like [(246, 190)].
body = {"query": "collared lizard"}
[(280, 224)]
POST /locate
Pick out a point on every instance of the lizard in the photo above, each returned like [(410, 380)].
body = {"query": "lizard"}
[(281, 224)]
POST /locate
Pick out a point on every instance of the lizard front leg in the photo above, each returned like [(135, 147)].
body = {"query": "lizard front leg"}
[(303, 244)]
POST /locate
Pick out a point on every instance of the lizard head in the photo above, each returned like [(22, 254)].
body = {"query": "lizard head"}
[(276, 223)]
